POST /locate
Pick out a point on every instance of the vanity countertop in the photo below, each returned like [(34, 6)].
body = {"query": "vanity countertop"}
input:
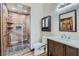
[(70, 42)]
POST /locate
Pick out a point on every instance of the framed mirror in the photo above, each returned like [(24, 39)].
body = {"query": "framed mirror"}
[(67, 21), (46, 23)]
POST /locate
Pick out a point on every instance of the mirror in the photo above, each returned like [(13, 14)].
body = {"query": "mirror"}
[(67, 21), (46, 24)]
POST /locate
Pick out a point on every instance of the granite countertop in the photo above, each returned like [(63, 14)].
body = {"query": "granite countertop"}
[(70, 42)]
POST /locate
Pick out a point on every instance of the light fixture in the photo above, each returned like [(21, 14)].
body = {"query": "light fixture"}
[(25, 11), (65, 6), (13, 8)]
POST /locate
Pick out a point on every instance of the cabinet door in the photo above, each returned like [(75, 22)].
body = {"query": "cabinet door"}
[(70, 51), (78, 52), (58, 49), (0, 51), (49, 48), (55, 48), (0, 30)]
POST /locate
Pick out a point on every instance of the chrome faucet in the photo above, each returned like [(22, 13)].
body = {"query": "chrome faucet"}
[(69, 38), (64, 36)]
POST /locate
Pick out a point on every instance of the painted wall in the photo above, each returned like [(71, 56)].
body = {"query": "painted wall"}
[(54, 12), (72, 35), (36, 15), (49, 9), (41, 10)]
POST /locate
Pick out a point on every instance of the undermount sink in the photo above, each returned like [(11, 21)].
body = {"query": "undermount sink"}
[(75, 41), (59, 37), (71, 41)]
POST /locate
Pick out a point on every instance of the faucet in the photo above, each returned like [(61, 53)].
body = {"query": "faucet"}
[(64, 36), (69, 37)]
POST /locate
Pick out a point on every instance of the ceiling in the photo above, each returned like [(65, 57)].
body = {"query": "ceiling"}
[(18, 7)]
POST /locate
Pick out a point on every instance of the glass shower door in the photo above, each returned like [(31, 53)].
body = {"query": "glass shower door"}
[(16, 41)]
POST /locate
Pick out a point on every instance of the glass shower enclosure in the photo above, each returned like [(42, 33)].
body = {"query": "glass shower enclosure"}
[(15, 31)]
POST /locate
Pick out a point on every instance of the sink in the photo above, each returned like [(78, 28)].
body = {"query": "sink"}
[(62, 38), (75, 41), (59, 38), (66, 40)]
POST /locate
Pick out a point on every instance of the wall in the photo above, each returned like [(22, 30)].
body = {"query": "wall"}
[(54, 12), (41, 10), (4, 28), (19, 19), (72, 35), (48, 10), (36, 15)]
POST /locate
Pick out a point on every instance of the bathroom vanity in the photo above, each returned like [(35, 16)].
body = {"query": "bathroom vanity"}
[(62, 47)]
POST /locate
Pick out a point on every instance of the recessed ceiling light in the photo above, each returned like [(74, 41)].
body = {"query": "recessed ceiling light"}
[(13, 8)]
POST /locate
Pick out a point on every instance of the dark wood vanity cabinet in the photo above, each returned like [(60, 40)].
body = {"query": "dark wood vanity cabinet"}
[(55, 48), (59, 49), (0, 30), (71, 51), (78, 52)]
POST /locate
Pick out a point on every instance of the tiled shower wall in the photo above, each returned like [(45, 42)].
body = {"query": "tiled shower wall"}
[(7, 39)]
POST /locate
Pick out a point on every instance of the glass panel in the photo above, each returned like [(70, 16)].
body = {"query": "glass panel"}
[(15, 32)]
